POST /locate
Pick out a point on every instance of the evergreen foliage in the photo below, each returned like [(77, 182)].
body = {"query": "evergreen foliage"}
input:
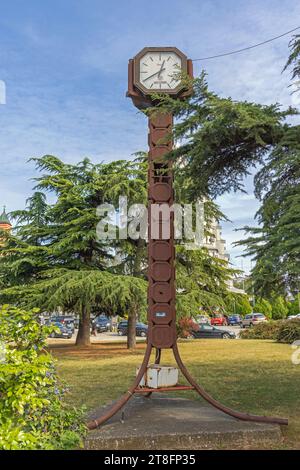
[(279, 308), (275, 244), (294, 60), (238, 304), (263, 306), (219, 139)]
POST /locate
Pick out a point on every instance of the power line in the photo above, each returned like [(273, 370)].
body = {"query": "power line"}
[(247, 48)]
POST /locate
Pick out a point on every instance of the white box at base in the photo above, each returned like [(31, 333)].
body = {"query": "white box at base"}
[(157, 376)]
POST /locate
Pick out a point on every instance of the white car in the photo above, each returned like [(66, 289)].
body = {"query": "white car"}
[(253, 319), (293, 317), (203, 319)]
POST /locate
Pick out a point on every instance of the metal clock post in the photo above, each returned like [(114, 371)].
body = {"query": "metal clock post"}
[(155, 69)]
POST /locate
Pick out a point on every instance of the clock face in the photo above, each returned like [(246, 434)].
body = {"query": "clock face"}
[(160, 70)]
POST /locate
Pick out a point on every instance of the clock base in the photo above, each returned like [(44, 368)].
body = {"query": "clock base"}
[(95, 423)]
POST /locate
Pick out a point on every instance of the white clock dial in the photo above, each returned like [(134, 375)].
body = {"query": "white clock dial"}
[(160, 70)]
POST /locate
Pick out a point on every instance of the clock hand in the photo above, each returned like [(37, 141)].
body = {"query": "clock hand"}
[(153, 75), (161, 69)]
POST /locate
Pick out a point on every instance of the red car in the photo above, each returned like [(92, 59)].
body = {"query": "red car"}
[(218, 320)]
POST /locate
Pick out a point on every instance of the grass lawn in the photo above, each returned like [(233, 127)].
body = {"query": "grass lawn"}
[(249, 375)]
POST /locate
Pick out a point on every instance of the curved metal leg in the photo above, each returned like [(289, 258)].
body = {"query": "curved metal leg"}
[(157, 361), (124, 399), (217, 404)]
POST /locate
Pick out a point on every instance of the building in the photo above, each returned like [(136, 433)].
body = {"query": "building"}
[(216, 246), (4, 221)]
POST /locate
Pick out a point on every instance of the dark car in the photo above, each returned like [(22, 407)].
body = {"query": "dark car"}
[(207, 331), (141, 329), (67, 321), (62, 331), (235, 320), (103, 324)]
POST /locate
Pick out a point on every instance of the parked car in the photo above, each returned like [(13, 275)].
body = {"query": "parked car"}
[(208, 331), (202, 319), (68, 321), (62, 331), (234, 320), (103, 323), (253, 319), (218, 319), (141, 329)]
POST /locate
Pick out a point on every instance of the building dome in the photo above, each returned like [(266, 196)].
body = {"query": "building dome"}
[(4, 221)]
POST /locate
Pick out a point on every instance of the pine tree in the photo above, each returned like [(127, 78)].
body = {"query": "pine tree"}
[(219, 139), (66, 238), (200, 281), (54, 261), (294, 60), (275, 244)]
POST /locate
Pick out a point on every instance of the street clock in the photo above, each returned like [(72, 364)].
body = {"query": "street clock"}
[(157, 70)]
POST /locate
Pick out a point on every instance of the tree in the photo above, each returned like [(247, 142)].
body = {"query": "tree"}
[(294, 306), (294, 60), (23, 250), (219, 139), (238, 304), (53, 260), (82, 291), (263, 306), (275, 243), (68, 240), (200, 281), (279, 308)]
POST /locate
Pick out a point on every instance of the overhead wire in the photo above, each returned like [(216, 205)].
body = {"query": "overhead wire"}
[(248, 47)]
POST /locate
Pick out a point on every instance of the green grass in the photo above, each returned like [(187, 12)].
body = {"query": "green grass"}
[(248, 375)]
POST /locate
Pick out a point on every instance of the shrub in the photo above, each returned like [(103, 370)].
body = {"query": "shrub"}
[(267, 330), (186, 326), (33, 413), (289, 331)]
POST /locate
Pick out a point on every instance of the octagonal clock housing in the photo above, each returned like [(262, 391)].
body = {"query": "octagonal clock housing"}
[(159, 69)]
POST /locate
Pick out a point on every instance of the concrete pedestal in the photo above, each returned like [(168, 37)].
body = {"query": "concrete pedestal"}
[(166, 423)]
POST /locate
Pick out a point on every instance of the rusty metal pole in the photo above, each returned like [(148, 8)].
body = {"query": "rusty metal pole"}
[(161, 251)]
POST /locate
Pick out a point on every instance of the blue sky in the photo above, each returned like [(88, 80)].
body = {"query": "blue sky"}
[(64, 63)]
